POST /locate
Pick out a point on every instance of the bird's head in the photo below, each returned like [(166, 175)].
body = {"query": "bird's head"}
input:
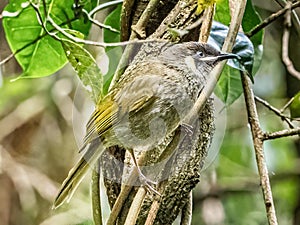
[(201, 56)]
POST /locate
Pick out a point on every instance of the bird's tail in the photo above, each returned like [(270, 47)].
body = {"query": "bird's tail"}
[(77, 173)]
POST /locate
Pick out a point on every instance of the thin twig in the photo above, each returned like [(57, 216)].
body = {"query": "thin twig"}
[(96, 195), (287, 105), (127, 8), (275, 110), (135, 207), (282, 133), (125, 190), (186, 215), (270, 19), (295, 17), (207, 22), (100, 44), (97, 23), (103, 6), (258, 137), (285, 42)]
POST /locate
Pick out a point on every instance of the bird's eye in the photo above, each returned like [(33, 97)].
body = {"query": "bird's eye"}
[(200, 54)]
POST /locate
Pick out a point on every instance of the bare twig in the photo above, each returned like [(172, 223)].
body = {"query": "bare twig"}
[(96, 195), (285, 42), (88, 42), (207, 22), (125, 190), (282, 133), (270, 19), (275, 110), (103, 6), (126, 11), (186, 215), (135, 207), (258, 137), (97, 23), (287, 105), (295, 17)]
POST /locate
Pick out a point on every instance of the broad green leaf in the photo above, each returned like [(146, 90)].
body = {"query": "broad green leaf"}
[(86, 68), (295, 106), (114, 53), (250, 20), (38, 53), (229, 87)]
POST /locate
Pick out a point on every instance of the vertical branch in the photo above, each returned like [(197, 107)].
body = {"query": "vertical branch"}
[(207, 22), (135, 207), (285, 42), (96, 198), (258, 137)]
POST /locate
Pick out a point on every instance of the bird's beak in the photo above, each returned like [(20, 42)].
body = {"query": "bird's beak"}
[(224, 56), (221, 57)]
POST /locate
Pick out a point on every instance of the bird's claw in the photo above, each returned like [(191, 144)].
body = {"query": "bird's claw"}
[(147, 183), (187, 128)]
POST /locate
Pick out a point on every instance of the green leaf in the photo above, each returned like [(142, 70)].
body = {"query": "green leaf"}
[(113, 53), (222, 14), (250, 20), (249, 50), (229, 87), (295, 106), (86, 68), (38, 53)]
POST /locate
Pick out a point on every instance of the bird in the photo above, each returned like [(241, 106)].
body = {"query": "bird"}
[(146, 105)]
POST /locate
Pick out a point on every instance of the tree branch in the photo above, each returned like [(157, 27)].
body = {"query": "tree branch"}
[(282, 133), (258, 137), (135, 207), (96, 195), (270, 19), (207, 22), (285, 42), (275, 110)]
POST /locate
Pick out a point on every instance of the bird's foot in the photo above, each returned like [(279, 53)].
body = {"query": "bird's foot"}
[(148, 184), (188, 129)]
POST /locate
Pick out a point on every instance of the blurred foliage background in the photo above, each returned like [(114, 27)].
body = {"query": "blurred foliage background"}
[(42, 123)]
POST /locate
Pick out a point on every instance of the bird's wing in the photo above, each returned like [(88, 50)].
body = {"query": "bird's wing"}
[(130, 99)]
